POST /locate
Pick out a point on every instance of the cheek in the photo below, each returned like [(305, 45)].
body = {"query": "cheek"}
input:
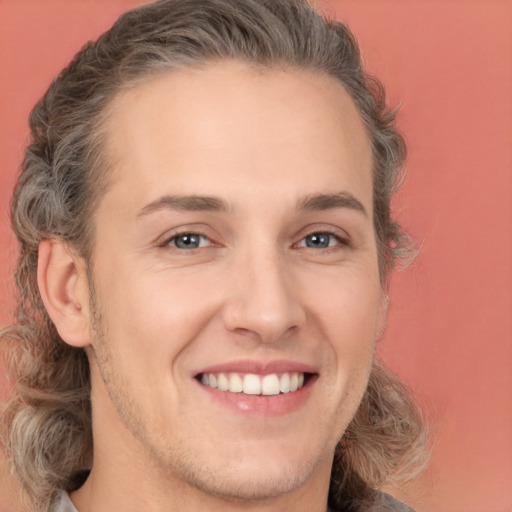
[(348, 314), (347, 306), (153, 314)]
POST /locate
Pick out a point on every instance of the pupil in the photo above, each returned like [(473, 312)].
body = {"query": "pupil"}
[(187, 241), (318, 240)]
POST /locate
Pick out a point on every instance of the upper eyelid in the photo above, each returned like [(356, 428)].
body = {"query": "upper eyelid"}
[(340, 233), (343, 240), (168, 239), (171, 233)]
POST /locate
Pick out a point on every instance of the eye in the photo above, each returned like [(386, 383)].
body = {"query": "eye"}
[(320, 241), (188, 241)]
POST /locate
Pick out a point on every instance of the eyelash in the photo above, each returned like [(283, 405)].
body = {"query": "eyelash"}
[(169, 241), (342, 242)]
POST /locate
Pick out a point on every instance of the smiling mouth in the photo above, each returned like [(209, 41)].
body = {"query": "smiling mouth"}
[(253, 384)]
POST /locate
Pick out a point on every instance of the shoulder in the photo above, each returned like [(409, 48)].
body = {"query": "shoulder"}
[(385, 503), (62, 503), (375, 501)]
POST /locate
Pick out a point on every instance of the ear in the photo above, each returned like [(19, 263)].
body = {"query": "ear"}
[(382, 314), (62, 281)]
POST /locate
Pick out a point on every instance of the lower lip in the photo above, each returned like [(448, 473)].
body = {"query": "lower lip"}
[(262, 405)]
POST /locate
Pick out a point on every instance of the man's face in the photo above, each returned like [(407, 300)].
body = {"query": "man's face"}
[(234, 249)]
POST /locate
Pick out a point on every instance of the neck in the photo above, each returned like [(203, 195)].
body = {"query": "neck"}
[(126, 475), (110, 487)]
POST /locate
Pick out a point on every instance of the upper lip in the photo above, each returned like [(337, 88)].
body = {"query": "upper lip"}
[(258, 367)]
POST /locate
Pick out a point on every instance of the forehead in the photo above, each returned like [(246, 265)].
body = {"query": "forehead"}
[(201, 129)]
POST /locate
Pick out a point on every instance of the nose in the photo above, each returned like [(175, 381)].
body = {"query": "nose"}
[(264, 302)]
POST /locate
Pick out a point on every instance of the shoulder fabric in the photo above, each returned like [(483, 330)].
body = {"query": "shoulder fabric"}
[(62, 503), (386, 503), (382, 503)]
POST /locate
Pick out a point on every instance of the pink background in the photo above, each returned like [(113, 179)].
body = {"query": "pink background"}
[(450, 325)]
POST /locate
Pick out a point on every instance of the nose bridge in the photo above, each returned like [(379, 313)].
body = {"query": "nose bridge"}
[(264, 301)]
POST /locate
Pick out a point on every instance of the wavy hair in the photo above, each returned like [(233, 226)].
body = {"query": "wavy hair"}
[(47, 421)]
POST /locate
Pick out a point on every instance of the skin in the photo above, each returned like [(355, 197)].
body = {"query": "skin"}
[(260, 140)]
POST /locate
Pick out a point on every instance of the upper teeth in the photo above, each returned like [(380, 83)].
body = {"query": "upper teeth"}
[(252, 384)]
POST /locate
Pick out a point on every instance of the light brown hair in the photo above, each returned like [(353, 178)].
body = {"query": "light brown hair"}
[(47, 422)]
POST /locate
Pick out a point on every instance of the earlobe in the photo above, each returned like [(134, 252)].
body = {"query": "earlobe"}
[(63, 286)]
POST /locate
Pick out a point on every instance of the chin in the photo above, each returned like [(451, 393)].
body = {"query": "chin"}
[(254, 484), (255, 473)]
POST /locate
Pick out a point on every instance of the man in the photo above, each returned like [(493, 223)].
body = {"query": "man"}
[(205, 248)]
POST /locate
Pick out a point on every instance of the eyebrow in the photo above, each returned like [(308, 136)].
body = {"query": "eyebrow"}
[(185, 203), (320, 202), (314, 202)]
